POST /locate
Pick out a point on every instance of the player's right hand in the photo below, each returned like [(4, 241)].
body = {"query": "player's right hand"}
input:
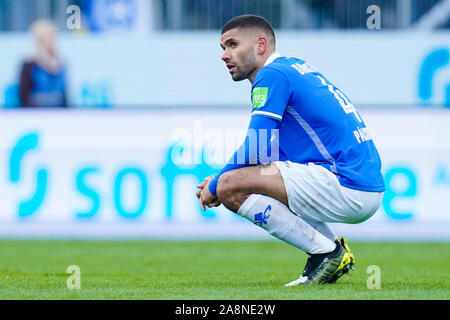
[(205, 181), (212, 202)]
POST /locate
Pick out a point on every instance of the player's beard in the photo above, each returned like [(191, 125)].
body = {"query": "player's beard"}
[(245, 69)]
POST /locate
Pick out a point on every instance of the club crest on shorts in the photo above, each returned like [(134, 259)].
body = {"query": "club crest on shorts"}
[(261, 217)]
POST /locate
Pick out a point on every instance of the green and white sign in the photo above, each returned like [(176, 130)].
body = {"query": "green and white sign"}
[(259, 97)]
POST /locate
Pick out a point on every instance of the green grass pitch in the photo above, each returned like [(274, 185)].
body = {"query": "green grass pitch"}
[(213, 270)]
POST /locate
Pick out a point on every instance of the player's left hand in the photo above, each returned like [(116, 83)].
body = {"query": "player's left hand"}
[(205, 197)]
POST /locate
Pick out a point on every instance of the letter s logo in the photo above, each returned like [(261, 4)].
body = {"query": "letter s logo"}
[(24, 145)]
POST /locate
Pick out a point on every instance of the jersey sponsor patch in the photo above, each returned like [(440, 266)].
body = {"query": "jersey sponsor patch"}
[(259, 97)]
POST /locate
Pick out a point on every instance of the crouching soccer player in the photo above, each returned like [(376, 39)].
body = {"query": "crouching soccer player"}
[(327, 168)]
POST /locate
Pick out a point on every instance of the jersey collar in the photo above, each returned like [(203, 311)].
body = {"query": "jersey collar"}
[(271, 58)]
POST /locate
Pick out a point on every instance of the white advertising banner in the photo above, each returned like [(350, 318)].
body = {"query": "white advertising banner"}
[(133, 173)]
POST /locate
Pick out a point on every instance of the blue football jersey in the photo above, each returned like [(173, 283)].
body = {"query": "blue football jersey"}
[(317, 122)]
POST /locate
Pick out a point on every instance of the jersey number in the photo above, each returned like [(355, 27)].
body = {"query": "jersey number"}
[(345, 103)]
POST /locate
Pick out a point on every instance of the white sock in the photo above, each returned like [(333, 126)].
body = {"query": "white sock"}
[(322, 228), (273, 216)]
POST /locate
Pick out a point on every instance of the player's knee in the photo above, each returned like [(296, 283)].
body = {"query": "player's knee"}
[(228, 191), (225, 186)]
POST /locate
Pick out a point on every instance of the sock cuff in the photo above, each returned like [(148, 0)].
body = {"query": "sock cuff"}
[(248, 204)]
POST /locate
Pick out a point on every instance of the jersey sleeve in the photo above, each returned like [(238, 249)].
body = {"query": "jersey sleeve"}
[(255, 150), (271, 92)]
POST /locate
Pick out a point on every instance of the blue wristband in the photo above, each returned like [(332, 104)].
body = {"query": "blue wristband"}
[(213, 186)]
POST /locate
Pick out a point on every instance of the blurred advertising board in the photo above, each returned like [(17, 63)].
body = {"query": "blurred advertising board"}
[(132, 173)]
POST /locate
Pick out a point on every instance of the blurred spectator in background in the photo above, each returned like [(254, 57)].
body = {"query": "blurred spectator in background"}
[(42, 78)]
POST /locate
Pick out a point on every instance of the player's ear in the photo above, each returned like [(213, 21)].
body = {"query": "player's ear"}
[(261, 45)]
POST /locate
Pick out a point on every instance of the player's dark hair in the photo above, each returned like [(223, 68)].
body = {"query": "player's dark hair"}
[(249, 21)]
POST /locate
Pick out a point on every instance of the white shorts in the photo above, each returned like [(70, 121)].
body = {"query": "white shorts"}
[(314, 193)]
